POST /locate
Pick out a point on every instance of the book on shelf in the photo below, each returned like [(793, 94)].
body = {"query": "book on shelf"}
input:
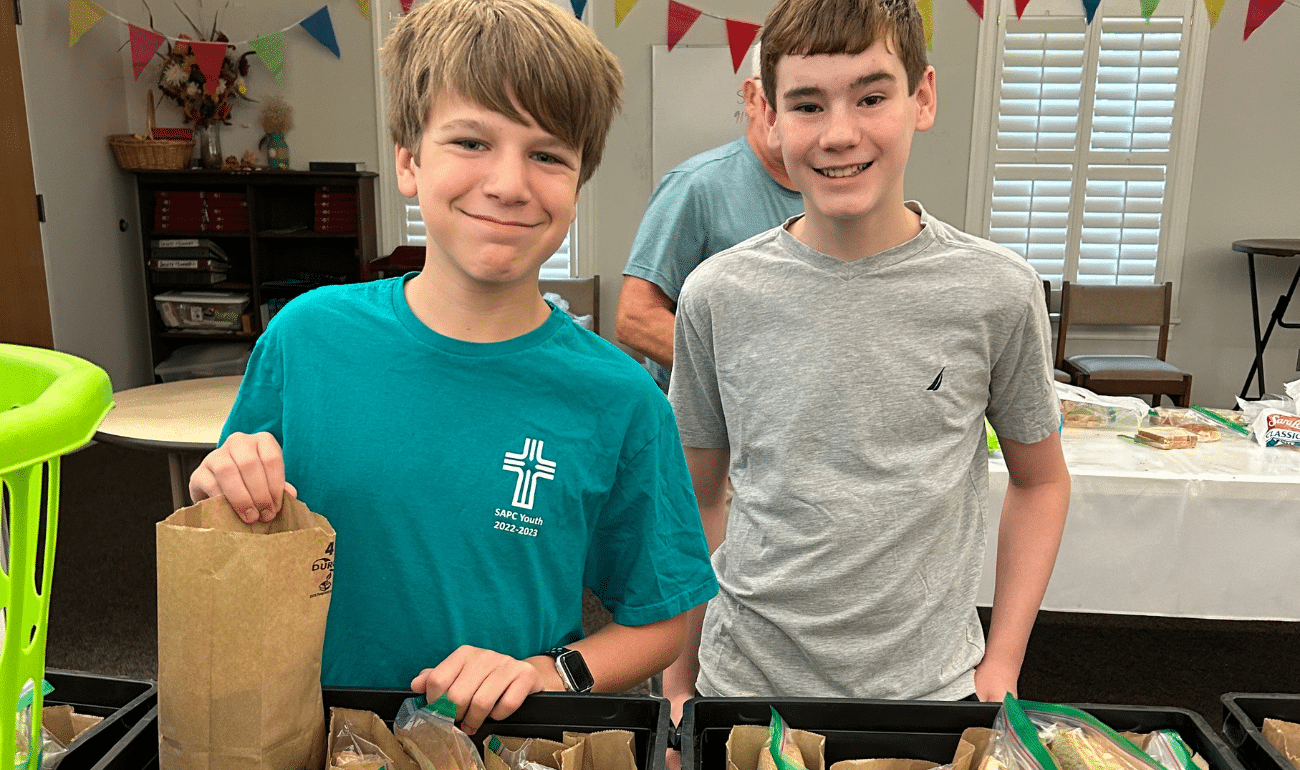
[(186, 248), (205, 264)]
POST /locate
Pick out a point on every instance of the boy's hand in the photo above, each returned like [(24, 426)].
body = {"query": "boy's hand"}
[(993, 680), (249, 471), (483, 683)]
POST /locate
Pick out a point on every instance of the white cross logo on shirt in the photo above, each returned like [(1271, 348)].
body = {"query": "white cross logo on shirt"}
[(530, 466)]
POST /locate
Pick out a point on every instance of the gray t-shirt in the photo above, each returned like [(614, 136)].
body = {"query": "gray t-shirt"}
[(852, 397)]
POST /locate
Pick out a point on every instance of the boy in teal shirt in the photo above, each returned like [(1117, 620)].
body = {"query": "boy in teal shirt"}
[(481, 457)]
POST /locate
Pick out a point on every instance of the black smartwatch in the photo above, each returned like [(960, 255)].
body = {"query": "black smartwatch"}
[(573, 669)]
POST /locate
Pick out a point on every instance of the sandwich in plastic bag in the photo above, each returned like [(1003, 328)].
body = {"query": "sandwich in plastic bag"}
[(781, 751), (1046, 736), (429, 734)]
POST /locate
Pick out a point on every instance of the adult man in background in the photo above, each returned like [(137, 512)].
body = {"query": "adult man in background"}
[(707, 204)]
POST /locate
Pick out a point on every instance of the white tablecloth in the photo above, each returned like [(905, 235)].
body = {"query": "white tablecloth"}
[(1210, 532)]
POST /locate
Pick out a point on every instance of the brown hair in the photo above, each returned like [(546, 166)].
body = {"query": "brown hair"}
[(487, 51), (815, 27)]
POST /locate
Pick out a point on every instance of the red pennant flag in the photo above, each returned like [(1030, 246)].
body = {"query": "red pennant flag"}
[(680, 19), (978, 5), (209, 57), (1020, 7), (144, 44), (406, 6), (740, 34), (1258, 13)]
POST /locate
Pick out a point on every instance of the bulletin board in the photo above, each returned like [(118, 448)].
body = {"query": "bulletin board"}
[(697, 102)]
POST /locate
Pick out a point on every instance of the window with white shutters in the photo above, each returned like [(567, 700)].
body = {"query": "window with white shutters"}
[(1079, 169)]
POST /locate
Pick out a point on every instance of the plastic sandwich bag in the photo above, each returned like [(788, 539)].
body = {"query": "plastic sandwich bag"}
[(1046, 736), (1169, 749), (781, 751), (350, 751), (429, 734), (516, 759), (1081, 408)]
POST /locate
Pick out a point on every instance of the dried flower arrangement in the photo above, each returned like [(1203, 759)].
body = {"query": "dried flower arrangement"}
[(181, 80)]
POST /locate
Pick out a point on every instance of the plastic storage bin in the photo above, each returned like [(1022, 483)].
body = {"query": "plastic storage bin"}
[(121, 702), (544, 715), (1243, 723), (206, 359), (929, 730), (201, 309), (50, 404)]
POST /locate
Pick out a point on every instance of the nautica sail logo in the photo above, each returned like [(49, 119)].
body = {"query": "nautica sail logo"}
[(530, 466)]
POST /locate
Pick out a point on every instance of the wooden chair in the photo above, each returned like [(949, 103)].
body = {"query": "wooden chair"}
[(582, 294), (1122, 375), (1060, 376)]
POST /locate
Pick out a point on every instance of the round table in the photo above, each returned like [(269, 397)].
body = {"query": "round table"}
[(183, 418)]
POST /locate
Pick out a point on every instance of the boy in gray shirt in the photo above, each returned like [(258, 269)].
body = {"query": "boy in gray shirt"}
[(840, 368)]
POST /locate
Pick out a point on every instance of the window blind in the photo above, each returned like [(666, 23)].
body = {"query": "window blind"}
[(1086, 123)]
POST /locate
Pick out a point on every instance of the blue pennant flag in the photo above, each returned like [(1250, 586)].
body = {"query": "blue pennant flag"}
[(318, 25), (1090, 8), (578, 7)]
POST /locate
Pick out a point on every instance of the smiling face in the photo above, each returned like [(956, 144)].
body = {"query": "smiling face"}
[(844, 123), (497, 196)]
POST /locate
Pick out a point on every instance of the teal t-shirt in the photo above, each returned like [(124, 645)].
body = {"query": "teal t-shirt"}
[(707, 204), (476, 488)]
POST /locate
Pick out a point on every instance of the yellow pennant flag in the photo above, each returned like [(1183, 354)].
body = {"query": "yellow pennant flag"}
[(365, 7), (1214, 7), (926, 7), (621, 10), (82, 15)]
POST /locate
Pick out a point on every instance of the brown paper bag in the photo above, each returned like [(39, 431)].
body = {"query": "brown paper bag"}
[(368, 726), (241, 624), (884, 764), (745, 747), (1285, 737), (972, 748), (540, 750), (65, 724), (603, 750)]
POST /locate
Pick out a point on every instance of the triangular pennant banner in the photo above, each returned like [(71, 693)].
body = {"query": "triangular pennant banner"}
[(578, 7), (82, 15), (978, 5), (1149, 7), (680, 19), (621, 9), (365, 7), (926, 7), (209, 57), (144, 44), (1258, 12), (1214, 7), (739, 35), (272, 55), (1090, 8), (1020, 7), (318, 25), (406, 6)]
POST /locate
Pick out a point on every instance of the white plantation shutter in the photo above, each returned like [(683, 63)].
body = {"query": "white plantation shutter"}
[(1086, 135), (557, 266)]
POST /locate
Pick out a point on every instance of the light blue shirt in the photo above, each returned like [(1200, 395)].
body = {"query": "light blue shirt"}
[(707, 204)]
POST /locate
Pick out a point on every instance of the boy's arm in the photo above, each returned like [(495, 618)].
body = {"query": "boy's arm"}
[(709, 478), (484, 683), (1033, 517), (645, 319)]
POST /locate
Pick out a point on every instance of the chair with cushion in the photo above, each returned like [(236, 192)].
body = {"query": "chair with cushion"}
[(1122, 375)]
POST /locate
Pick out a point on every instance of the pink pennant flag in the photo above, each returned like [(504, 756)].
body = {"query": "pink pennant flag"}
[(144, 44), (406, 6), (1020, 7), (1258, 12), (978, 5), (209, 57), (680, 19), (739, 35)]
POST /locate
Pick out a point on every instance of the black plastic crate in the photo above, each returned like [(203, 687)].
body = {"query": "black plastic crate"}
[(929, 730), (544, 715), (1243, 723), (121, 702)]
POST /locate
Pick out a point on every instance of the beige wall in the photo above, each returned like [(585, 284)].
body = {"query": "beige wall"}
[(1246, 181)]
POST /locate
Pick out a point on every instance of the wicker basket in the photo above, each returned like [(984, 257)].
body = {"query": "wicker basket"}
[(144, 152)]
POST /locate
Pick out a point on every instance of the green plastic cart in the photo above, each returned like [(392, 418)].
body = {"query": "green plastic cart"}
[(50, 404)]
